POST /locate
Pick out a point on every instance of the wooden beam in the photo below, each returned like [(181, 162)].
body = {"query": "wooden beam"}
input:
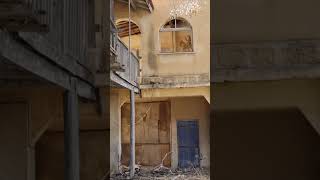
[(133, 4), (147, 4), (126, 33), (20, 55), (150, 5), (123, 28), (103, 80), (17, 54), (38, 135), (16, 27), (53, 54)]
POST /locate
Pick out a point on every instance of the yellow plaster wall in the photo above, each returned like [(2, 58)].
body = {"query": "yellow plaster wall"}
[(191, 108), (117, 98), (155, 64), (135, 42)]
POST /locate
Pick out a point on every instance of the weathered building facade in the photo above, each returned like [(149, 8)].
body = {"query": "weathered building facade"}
[(265, 71), (173, 105)]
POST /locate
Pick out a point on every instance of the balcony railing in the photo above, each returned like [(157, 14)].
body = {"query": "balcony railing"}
[(125, 69), (131, 66)]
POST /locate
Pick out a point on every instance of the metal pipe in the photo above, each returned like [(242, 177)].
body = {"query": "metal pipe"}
[(132, 134), (129, 48)]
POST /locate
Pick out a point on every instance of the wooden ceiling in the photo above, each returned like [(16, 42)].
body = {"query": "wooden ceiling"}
[(123, 29), (142, 4)]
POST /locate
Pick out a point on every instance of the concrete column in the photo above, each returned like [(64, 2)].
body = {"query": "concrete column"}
[(115, 132), (132, 134), (71, 133)]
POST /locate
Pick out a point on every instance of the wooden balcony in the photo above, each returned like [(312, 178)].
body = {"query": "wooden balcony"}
[(124, 70), (25, 15)]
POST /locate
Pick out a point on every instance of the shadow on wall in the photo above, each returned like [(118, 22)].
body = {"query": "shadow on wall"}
[(94, 159), (264, 144)]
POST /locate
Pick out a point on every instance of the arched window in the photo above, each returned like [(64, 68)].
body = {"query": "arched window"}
[(176, 36)]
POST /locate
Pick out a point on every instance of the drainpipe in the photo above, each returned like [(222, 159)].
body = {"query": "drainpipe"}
[(132, 109)]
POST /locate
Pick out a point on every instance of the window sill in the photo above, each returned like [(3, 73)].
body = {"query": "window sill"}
[(172, 53)]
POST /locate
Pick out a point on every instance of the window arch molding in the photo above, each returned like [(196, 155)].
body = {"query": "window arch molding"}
[(176, 36)]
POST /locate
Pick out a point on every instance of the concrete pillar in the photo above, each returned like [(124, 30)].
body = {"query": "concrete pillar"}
[(115, 132), (132, 134), (71, 133)]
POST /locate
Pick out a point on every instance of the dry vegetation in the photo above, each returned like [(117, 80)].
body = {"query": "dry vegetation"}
[(143, 173)]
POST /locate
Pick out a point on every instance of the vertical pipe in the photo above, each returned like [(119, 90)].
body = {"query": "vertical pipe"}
[(132, 107), (130, 63), (71, 133), (132, 134)]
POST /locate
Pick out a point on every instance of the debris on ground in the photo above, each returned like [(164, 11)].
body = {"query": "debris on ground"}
[(164, 173)]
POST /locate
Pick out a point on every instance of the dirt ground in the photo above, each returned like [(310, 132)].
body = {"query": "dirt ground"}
[(179, 174)]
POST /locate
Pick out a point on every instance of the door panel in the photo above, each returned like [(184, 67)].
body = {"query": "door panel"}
[(188, 143), (13, 141)]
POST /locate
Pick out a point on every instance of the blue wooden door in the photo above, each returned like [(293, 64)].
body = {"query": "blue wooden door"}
[(188, 144)]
